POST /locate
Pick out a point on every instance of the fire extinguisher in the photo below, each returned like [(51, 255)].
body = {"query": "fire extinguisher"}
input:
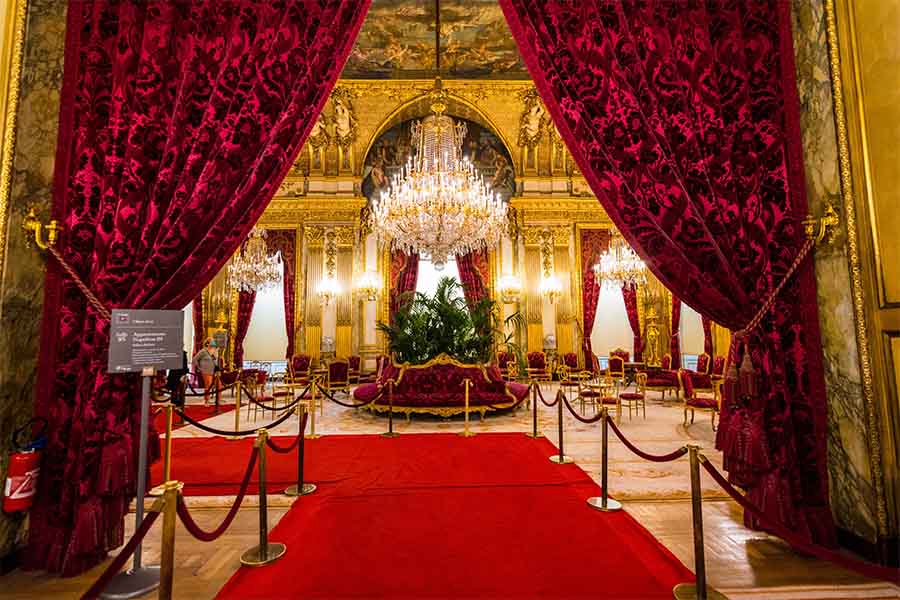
[(24, 467)]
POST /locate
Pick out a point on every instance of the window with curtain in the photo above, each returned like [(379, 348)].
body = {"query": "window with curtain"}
[(429, 276), (691, 336)]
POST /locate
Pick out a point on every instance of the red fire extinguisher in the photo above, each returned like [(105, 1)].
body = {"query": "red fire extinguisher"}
[(24, 467)]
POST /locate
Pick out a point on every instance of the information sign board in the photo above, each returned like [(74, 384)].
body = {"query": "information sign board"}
[(145, 338)]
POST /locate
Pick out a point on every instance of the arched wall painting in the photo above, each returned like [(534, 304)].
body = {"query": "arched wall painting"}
[(482, 146)]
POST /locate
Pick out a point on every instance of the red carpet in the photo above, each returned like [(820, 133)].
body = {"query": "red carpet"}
[(439, 516)]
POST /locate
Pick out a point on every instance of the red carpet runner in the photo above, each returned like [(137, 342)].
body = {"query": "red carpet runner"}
[(439, 516)]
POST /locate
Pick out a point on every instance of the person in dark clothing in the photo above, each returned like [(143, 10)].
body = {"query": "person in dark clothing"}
[(174, 381)]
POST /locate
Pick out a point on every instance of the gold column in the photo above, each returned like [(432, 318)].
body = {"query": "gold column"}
[(344, 330), (315, 238), (533, 301), (299, 289), (565, 318)]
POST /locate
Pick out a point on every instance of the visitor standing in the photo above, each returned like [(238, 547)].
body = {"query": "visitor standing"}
[(205, 363)]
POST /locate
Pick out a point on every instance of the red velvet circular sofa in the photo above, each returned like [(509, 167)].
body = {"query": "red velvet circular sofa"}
[(436, 387)]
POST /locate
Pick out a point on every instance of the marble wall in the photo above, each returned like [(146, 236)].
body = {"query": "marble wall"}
[(852, 491), (23, 277)]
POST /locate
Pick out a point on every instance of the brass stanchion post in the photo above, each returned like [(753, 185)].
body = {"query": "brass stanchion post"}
[(698, 590), (167, 550), (217, 381), (465, 432), (237, 408), (167, 456), (390, 433), (265, 552), (534, 414), (301, 488), (561, 458), (312, 435), (604, 502)]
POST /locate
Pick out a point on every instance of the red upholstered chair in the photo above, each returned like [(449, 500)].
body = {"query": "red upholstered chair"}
[(337, 378), (701, 378), (616, 371), (354, 362), (621, 353), (537, 367), (600, 394), (503, 360), (570, 359), (638, 398), (694, 401), (298, 369), (718, 368), (664, 380)]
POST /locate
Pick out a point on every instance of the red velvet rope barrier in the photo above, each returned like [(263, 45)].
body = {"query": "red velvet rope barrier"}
[(284, 417), (350, 404), (284, 450), (119, 561), (208, 536), (651, 457), (593, 419), (541, 396), (497, 407), (273, 406), (869, 570)]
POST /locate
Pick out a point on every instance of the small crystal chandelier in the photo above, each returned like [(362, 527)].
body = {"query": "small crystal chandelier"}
[(252, 268), (439, 206), (368, 285), (620, 265)]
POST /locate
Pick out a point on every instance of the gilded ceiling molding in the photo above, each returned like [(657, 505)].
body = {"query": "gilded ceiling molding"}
[(859, 301), (14, 18), (285, 213), (344, 236)]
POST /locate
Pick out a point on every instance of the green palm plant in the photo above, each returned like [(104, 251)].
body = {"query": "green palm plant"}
[(426, 326)]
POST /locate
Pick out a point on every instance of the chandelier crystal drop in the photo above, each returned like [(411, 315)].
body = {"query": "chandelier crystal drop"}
[(620, 265), (438, 205), (252, 268)]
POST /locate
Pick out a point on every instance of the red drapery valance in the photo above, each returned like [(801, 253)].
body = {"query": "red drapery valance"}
[(404, 276), (684, 119), (246, 301), (675, 333), (475, 274), (178, 122), (285, 241), (593, 243), (199, 325)]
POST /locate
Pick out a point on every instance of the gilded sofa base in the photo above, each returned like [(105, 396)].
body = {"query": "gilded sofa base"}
[(440, 411)]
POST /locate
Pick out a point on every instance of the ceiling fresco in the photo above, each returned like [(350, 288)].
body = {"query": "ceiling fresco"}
[(397, 42)]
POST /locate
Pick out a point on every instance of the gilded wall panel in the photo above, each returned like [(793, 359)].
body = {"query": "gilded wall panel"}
[(850, 474), (28, 178)]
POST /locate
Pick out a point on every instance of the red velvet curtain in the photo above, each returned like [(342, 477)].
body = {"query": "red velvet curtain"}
[(629, 296), (593, 243), (474, 273), (246, 300), (404, 276), (178, 122), (684, 119), (199, 329), (674, 333), (285, 241), (707, 337)]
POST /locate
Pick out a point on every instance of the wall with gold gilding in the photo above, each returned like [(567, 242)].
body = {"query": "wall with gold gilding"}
[(27, 182), (851, 482)]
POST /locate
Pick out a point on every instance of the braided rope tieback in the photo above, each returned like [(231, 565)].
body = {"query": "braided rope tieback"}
[(770, 300), (95, 302)]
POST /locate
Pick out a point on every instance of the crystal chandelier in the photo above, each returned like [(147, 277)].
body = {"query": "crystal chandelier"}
[(439, 206), (620, 265), (252, 268)]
